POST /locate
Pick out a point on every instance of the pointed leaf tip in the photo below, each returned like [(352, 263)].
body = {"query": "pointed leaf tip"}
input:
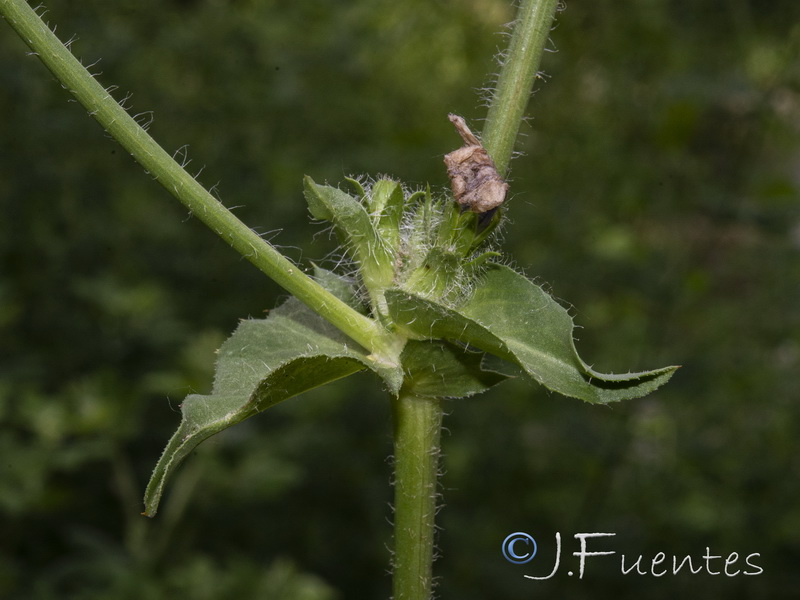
[(513, 318), (264, 362), (204, 416)]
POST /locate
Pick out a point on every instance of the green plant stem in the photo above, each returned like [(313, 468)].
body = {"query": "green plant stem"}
[(123, 128), (417, 420), (417, 427), (517, 74)]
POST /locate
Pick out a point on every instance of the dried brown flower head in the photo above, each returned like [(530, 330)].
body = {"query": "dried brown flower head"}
[(476, 184)]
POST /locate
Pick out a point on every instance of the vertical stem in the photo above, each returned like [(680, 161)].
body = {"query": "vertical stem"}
[(520, 66), (417, 427)]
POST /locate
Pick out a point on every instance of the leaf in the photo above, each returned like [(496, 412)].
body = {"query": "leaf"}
[(355, 229), (264, 362), (444, 370), (204, 416), (386, 204), (332, 204), (511, 317)]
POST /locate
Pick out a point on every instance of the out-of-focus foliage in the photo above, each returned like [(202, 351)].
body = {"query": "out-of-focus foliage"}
[(658, 191)]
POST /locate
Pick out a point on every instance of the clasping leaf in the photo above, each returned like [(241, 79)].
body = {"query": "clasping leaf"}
[(511, 317)]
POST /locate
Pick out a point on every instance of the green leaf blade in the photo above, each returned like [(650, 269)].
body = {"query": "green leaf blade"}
[(444, 370), (511, 317), (387, 203), (264, 362), (205, 416), (357, 231)]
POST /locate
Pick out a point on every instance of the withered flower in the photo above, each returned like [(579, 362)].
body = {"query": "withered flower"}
[(476, 184)]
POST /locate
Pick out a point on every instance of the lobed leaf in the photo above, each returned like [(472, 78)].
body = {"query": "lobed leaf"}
[(515, 319)]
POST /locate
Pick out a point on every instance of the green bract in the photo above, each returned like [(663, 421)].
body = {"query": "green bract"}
[(422, 273)]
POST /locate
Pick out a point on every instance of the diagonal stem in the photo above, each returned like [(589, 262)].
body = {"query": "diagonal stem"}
[(155, 160)]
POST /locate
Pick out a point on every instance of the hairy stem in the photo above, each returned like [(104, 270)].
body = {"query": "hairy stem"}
[(417, 420), (123, 128), (517, 74), (417, 427)]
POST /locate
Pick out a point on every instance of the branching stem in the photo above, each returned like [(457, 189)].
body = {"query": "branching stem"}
[(417, 420)]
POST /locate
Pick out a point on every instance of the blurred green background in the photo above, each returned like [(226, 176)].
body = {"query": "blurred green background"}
[(658, 192)]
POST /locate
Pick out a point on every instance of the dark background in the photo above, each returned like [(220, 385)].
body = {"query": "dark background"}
[(658, 193)]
